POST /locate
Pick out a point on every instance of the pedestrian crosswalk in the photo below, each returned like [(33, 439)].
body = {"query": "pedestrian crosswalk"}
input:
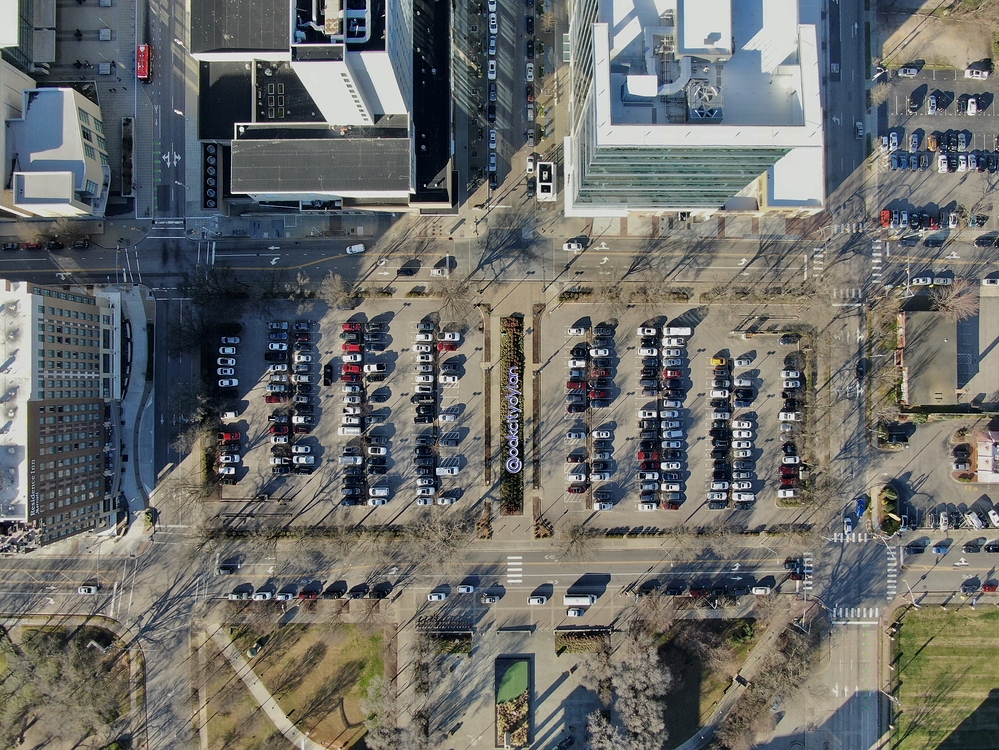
[(892, 572), (852, 293), (514, 569), (853, 227), (877, 270), (855, 615), (818, 262), (807, 569), (855, 536)]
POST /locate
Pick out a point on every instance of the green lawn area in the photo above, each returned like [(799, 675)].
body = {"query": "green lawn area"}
[(514, 680), (948, 666)]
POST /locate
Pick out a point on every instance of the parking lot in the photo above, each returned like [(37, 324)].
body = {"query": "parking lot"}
[(668, 429), (935, 156), (389, 419)]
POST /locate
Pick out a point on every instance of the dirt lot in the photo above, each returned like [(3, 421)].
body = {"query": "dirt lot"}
[(317, 673), (912, 33)]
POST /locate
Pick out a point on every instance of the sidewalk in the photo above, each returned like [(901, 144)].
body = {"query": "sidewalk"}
[(260, 693)]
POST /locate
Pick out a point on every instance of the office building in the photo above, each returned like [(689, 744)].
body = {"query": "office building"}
[(59, 379), (693, 105)]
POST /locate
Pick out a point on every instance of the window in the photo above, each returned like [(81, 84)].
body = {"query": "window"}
[(91, 185), (104, 159), (101, 143), (98, 125), (87, 135), (84, 116), (89, 151)]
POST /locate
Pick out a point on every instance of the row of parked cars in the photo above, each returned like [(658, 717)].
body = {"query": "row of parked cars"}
[(589, 385), (662, 436), (290, 383)]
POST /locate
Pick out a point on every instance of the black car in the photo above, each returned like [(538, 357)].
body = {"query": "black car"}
[(422, 398), (304, 409), (719, 453), (303, 469), (530, 49), (992, 547), (374, 327), (424, 440), (720, 442), (602, 362), (81, 244), (933, 242), (578, 351), (305, 346), (424, 461), (789, 449), (405, 272), (649, 372), (973, 546), (530, 24), (54, 245), (380, 397), (370, 338), (424, 471), (376, 377), (603, 331), (276, 356), (303, 388), (280, 470), (373, 469), (424, 409), (491, 116), (423, 450), (493, 179), (720, 432), (349, 502)]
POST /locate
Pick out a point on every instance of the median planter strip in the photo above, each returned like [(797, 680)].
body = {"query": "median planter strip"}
[(512, 430)]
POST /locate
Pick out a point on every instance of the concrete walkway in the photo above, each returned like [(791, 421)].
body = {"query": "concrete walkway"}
[(260, 693)]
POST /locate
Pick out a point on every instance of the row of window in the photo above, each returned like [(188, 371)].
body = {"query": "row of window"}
[(66, 340), (75, 314), (61, 408), (69, 418), (64, 296), (89, 393), (67, 384), (58, 365)]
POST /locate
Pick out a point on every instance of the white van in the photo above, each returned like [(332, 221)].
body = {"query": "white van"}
[(533, 600), (579, 600), (378, 491), (761, 590), (355, 249), (350, 430)]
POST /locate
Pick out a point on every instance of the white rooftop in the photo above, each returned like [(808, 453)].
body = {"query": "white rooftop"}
[(705, 28)]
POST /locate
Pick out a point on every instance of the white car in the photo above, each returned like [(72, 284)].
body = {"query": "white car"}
[(424, 368), (742, 444), (743, 434), (230, 458), (599, 352), (448, 379), (575, 476), (426, 491), (447, 471), (744, 497), (647, 332), (231, 350), (742, 486), (447, 500), (424, 337), (375, 367), (279, 439), (787, 493), (577, 363), (673, 352), (423, 358), (790, 460), (647, 506), (424, 378), (225, 371), (742, 383), (352, 359), (354, 249), (262, 596), (277, 368), (491, 70), (493, 23), (847, 525), (355, 400), (87, 590), (942, 281), (572, 246), (994, 517), (276, 346), (575, 331), (717, 496), (603, 506), (990, 282), (449, 336), (719, 393), (743, 453), (226, 471), (647, 351), (530, 164), (299, 357), (670, 466), (350, 388), (301, 449), (422, 348), (424, 501), (790, 374), (669, 414), (922, 281), (225, 362), (230, 339), (742, 362), (602, 435), (792, 384), (447, 417), (377, 501), (742, 424), (228, 383), (788, 416)]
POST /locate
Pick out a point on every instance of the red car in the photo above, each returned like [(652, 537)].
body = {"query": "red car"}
[(796, 576), (352, 348), (789, 481), (352, 369), (601, 374), (648, 456), (599, 394), (885, 217), (279, 429), (672, 374), (350, 377), (352, 326), (275, 399), (530, 94), (574, 459), (302, 429), (670, 506), (229, 436), (648, 466), (989, 588), (789, 471), (447, 347), (308, 595), (577, 489)]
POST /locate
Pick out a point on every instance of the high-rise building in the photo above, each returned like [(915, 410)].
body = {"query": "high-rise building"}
[(692, 105), (59, 379)]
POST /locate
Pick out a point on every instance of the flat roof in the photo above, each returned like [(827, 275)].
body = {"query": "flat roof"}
[(225, 97), (705, 27), (322, 165), (240, 26), (930, 358)]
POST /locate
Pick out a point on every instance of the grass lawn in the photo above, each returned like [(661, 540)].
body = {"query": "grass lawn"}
[(948, 666), (696, 688), (318, 674), (513, 682)]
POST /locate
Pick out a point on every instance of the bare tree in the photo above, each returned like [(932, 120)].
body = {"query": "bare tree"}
[(957, 301), (880, 94), (380, 706), (575, 540), (439, 540), (546, 22), (455, 295), (336, 292)]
